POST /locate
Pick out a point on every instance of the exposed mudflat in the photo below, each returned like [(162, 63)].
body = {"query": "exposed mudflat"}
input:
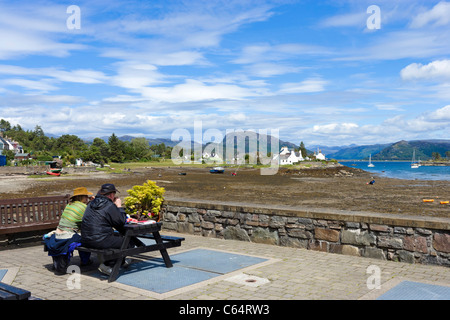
[(342, 188)]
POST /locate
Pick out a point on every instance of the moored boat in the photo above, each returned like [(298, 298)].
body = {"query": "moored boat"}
[(370, 165), (414, 163), (50, 172), (217, 170)]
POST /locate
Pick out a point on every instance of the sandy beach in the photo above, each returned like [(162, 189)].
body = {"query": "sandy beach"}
[(342, 188)]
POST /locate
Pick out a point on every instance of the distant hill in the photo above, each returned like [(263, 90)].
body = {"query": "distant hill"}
[(235, 138), (357, 152), (327, 150), (401, 150)]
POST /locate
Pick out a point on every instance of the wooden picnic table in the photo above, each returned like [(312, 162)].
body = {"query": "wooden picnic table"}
[(148, 231)]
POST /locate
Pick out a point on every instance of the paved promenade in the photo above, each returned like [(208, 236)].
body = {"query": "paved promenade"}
[(288, 273)]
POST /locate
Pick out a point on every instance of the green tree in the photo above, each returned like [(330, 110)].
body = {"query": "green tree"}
[(436, 156), (69, 143), (141, 148), (4, 125), (116, 149), (99, 145), (9, 155), (303, 150)]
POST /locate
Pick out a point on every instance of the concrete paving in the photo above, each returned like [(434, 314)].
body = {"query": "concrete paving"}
[(288, 274)]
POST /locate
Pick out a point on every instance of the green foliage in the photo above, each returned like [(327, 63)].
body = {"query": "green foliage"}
[(71, 147), (9, 155), (116, 149), (303, 150), (144, 201)]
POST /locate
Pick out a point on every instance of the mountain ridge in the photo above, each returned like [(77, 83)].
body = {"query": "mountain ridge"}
[(400, 150)]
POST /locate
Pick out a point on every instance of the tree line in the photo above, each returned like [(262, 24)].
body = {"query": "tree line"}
[(71, 147)]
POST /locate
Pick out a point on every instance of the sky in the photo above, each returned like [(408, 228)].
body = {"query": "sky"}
[(331, 72)]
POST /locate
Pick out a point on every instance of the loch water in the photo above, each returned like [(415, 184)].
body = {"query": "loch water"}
[(402, 170)]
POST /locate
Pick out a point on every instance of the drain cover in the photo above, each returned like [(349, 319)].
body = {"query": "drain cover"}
[(248, 280)]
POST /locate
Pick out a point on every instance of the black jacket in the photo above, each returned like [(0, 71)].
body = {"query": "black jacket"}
[(99, 219)]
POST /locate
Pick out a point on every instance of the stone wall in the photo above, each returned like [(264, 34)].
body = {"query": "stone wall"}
[(424, 240)]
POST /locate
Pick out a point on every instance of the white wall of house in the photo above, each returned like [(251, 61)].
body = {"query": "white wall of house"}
[(288, 157)]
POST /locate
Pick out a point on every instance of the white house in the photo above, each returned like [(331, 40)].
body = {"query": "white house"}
[(5, 144), (211, 158), (284, 150), (8, 144), (319, 155), (288, 157)]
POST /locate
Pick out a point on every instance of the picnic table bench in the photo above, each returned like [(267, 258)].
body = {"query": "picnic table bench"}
[(147, 231), (8, 292)]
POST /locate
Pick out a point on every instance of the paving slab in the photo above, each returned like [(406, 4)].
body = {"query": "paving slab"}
[(285, 274)]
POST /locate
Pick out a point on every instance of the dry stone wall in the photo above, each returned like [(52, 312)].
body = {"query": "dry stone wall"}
[(421, 240)]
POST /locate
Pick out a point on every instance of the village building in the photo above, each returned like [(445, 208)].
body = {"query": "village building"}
[(211, 158), (287, 156), (8, 144), (22, 156), (5, 144), (319, 155)]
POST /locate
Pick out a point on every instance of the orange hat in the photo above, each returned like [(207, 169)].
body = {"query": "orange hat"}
[(81, 191)]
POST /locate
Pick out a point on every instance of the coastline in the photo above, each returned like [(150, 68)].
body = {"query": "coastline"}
[(335, 187), (435, 163)]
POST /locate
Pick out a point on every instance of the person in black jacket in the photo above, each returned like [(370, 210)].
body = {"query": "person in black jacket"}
[(103, 217)]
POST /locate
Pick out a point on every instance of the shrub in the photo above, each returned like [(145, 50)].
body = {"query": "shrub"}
[(144, 201)]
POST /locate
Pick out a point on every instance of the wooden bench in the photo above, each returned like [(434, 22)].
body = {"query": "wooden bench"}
[(8, 292), (30, 214)]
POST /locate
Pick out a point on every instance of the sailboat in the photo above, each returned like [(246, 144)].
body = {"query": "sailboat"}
[(414, 164), (370, 165)]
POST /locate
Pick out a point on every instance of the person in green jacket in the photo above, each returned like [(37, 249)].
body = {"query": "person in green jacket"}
[(72, 215), (68, 231)]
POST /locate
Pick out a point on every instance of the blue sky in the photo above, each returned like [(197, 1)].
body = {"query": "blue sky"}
[(314, 70)]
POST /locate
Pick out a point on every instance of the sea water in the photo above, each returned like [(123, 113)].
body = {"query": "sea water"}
[(402, 170)]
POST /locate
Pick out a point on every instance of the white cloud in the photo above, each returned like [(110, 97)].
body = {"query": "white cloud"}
[(426, 123), (310, 85), (401, 45), (77, 76), (336, 128), (158, 55), (34, 28), (194, 90), (41, 85), (442, 114), (18, 43), (266, 70), (265, 52), (439, 69), (135, 75), (357, 19), (238, 117), (438, 16), (172, 35), (388, 107)]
